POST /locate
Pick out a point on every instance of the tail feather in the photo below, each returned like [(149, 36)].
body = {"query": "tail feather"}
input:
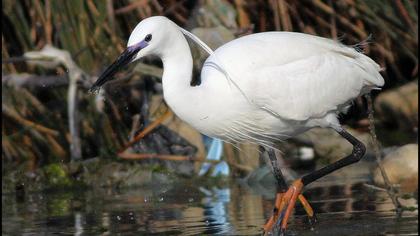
[(372, 69)]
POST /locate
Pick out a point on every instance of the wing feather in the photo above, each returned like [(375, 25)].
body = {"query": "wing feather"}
[(295, 76), (312, 87)]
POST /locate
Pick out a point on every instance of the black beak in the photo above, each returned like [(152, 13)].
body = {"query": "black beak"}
[(125, 58)]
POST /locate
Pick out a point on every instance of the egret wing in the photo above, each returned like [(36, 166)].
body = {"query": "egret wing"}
[(312, 87)]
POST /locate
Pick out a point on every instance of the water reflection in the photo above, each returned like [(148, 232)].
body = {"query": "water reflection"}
[(188, 209)]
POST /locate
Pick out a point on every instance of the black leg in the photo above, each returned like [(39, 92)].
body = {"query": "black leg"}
[(281, 183), (358, 152), (281, 189)]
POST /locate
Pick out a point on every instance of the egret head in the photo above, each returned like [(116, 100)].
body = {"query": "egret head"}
[(149, 37)]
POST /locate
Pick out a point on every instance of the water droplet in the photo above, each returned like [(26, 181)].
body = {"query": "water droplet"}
[(118, 218), (161, 199)]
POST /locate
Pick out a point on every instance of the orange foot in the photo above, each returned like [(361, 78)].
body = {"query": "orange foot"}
[(285, 202)]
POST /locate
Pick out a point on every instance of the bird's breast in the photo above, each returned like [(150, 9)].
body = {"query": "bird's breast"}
[(218, 109)]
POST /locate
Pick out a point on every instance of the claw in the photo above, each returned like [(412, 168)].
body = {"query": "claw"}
[(274, 217), (306, 205), (285, 203), (295, 191), (311, 219)]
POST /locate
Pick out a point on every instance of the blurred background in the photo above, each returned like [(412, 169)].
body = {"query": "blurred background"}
[(56, 136)]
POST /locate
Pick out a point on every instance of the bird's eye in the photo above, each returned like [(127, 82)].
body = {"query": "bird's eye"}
[(148, 38)]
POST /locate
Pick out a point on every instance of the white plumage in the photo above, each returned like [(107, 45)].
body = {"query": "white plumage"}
[(258, 88), (281, 83)]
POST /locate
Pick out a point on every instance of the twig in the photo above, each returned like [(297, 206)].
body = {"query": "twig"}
[(166, 157), (284, 16), (274, 6), (92, 8), (48, 26), (243, 17), (374, 187), (130, 7), (316, 17), (114, 109), (33, 100), (173, 7), (240, 167), (8, 148), (34, 81), (75, 144), (390, 189), (405, 15), (230, 158), (157, 6), (333, 22), (15, 116), (327, 9), (5, 55), (147, 130), (110, 15), (56, 147), (134, 127)]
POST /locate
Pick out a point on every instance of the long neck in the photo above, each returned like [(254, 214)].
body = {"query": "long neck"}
[(177, 71)]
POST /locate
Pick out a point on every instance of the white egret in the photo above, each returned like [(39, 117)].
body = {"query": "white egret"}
[(259, 88)]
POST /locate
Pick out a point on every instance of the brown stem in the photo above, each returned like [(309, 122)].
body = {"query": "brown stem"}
[(15, 116), (147, 130), (405, 15), (130, 7), (390, 189), (327, 9), (166, 157)]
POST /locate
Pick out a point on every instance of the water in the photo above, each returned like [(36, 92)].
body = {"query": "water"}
[(344, 206)]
